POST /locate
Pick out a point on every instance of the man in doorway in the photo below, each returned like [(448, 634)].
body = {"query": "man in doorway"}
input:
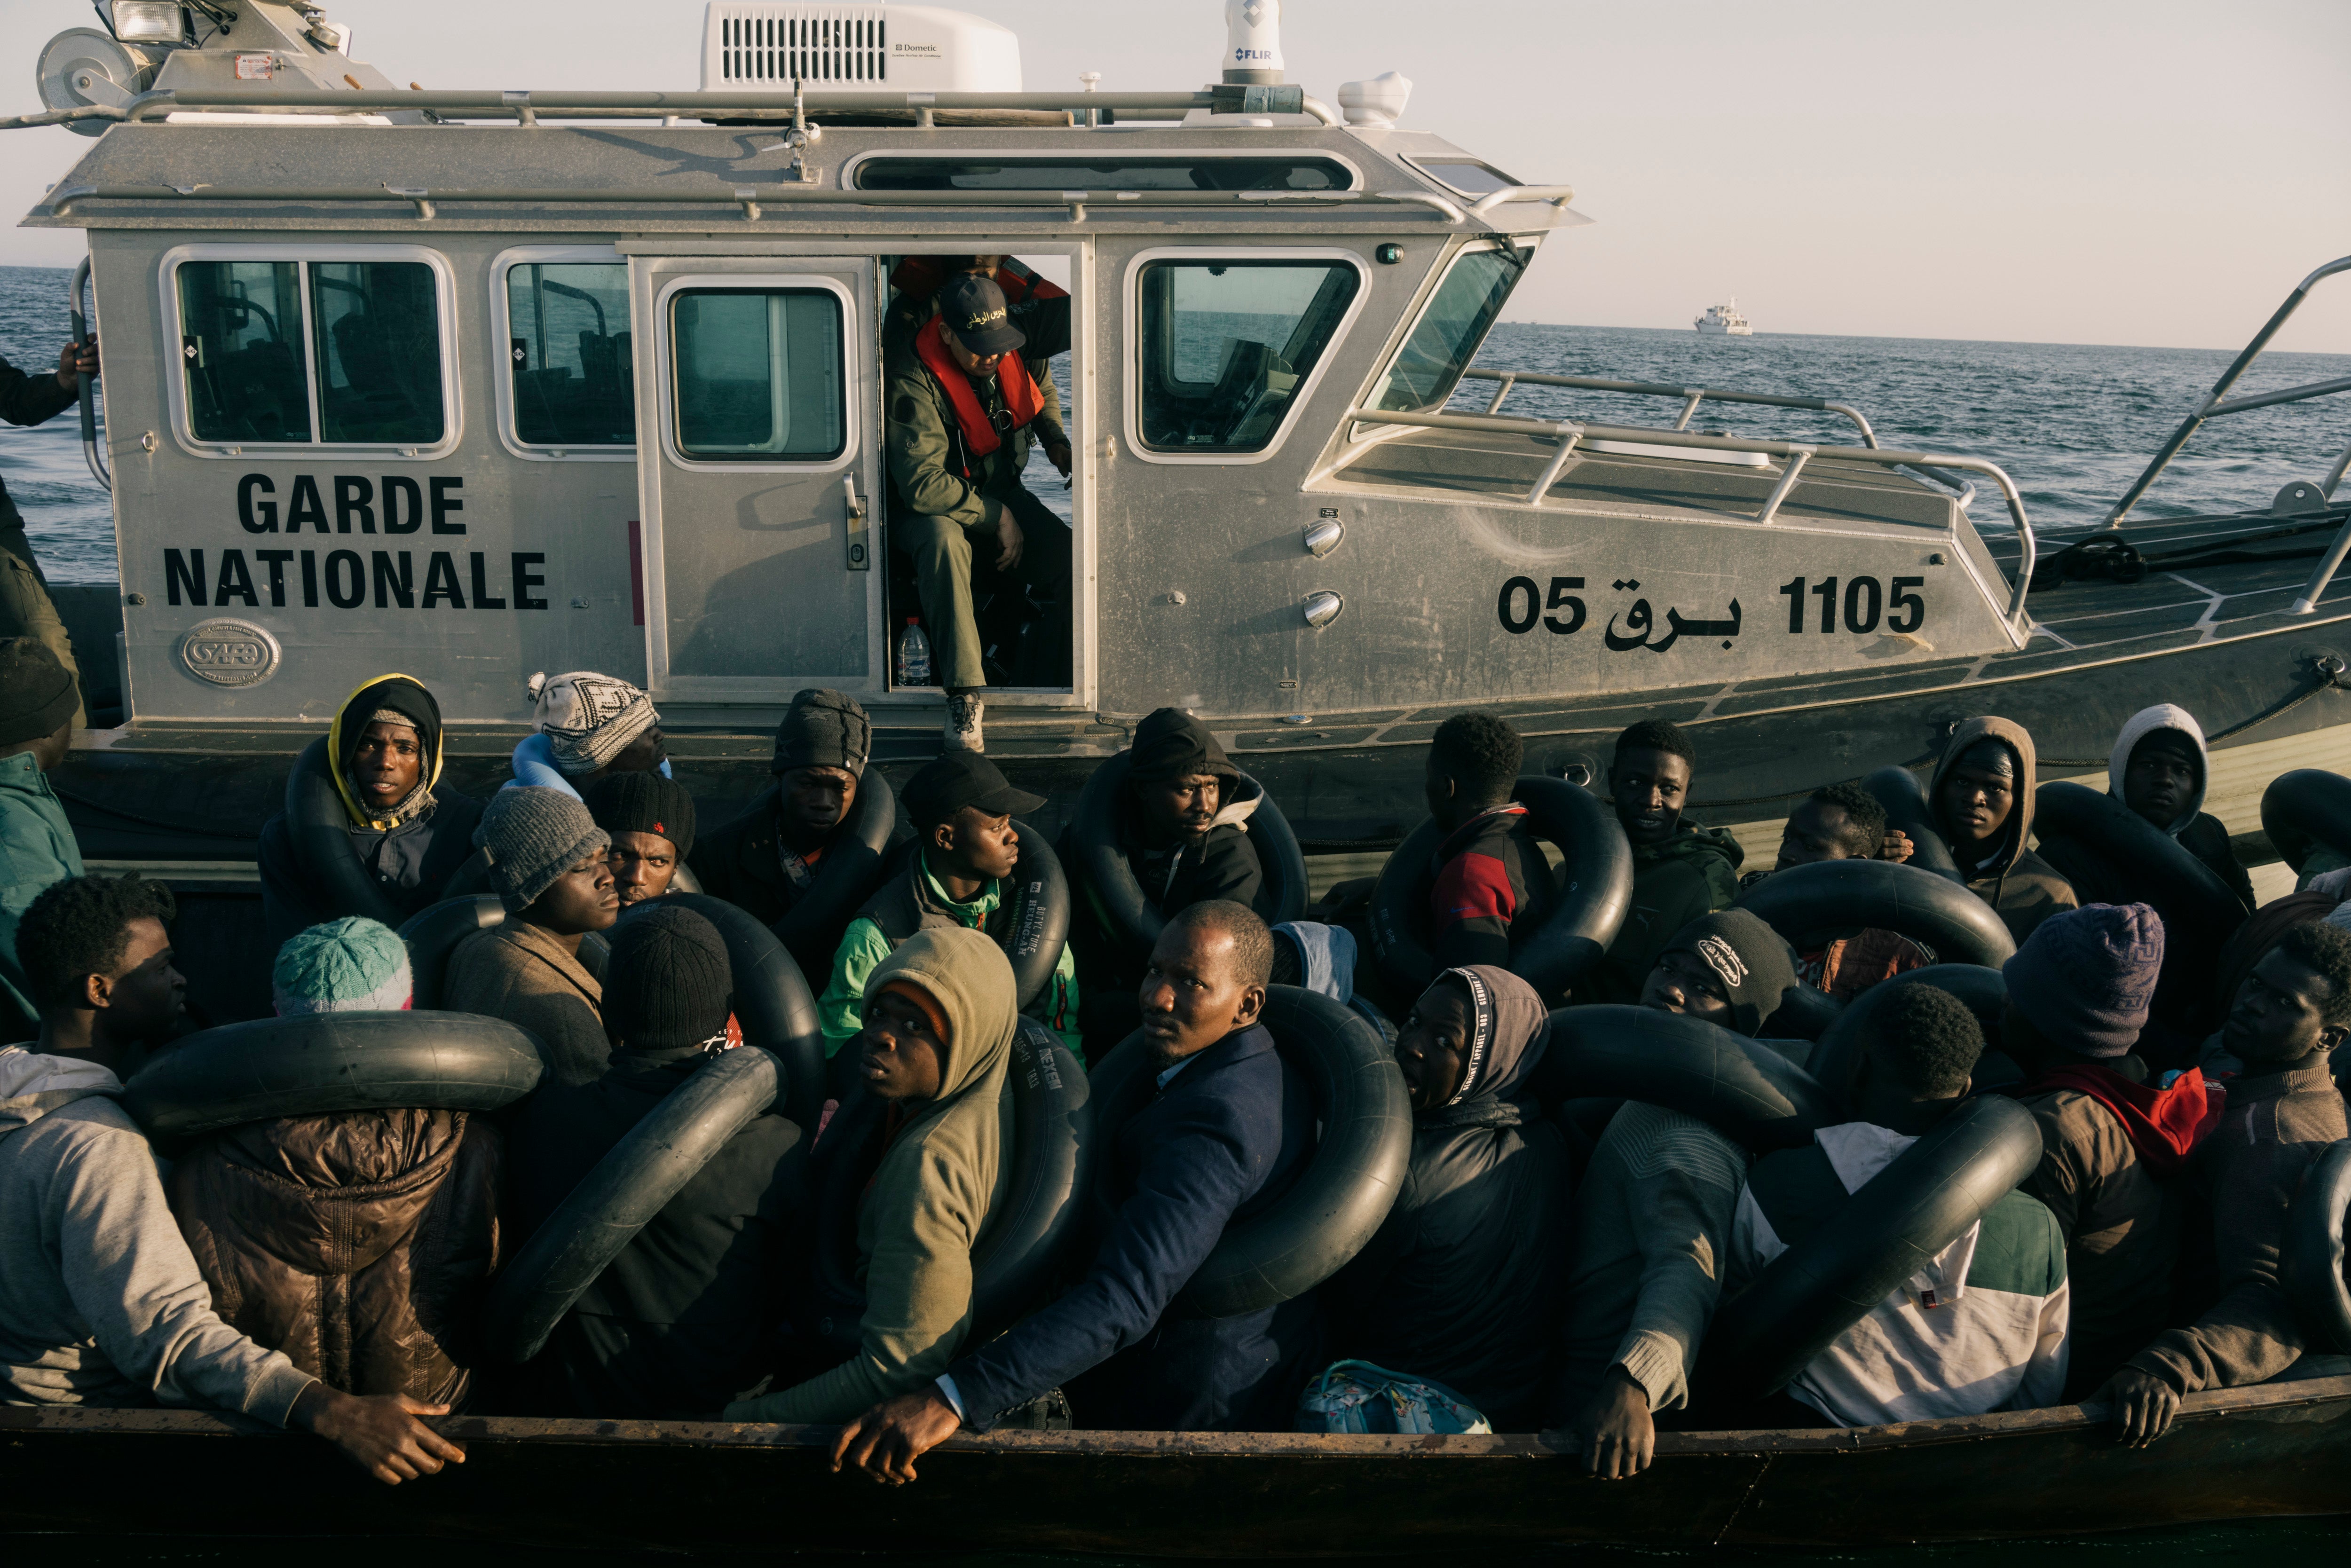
[(963, 412), (24, 607)]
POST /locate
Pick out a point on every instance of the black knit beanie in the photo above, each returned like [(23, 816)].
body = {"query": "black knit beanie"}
[(1754, 963), (668, 985), (643, 803)]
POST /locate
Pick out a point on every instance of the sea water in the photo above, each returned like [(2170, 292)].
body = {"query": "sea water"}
[(2071, 423)]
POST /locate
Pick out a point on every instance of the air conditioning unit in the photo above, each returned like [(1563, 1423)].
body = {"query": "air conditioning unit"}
[(749, 46)]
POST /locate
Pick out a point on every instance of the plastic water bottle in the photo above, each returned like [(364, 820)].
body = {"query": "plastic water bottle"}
[(914, 655)]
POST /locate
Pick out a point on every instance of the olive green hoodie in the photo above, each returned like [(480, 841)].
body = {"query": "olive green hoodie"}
[(2023, 889), (930, 1197)]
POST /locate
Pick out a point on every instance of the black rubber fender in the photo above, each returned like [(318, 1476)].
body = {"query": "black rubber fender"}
[(1982, 990), (1338, 1201), (1833, 1278), (313, 1064), (850, 869), (1907, 809), (1117, 900), (1813, 904), (772, 1002), (1036, 915), (433, 935), (1596, 889), (2312, 1263), (2305, 807), (1743, 1088), (637, 1177), (317, 825), (1049, 1129)]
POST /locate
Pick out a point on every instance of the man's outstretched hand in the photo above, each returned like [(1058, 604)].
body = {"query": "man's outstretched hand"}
[(886, 1440), (76, 360), (2143, 1407), (1618, 1435), (380, 1433)]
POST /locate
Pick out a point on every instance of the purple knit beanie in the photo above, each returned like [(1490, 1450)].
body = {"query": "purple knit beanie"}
[(2084, 978)]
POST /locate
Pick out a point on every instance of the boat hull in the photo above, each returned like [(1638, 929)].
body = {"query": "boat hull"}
[(2276, 1451)]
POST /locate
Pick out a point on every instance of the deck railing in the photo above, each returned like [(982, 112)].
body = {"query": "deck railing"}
[(1570, 433)]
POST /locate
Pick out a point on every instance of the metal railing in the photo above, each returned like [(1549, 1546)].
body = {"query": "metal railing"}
[(1570, 433)]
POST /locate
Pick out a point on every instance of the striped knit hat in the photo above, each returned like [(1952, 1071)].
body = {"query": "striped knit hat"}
[(348, 965)]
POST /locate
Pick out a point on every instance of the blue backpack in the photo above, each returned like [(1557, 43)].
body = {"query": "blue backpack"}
[(1356, 1396)]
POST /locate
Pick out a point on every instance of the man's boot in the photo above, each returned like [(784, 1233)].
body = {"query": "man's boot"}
[(963, 728)]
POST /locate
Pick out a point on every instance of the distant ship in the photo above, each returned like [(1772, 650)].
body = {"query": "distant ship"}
[(1726, 319)]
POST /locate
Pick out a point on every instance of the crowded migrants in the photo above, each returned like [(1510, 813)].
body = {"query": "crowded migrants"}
[(1551, 1228)]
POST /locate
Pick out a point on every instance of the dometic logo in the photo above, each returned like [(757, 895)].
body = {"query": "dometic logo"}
[(914, 48), (230, 654)]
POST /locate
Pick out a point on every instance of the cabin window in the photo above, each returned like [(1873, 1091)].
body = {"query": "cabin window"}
[(573, 368), (341, 352), (1251, 173), (760, 373), (1450, 331), (1465, 176), (1224, 347)]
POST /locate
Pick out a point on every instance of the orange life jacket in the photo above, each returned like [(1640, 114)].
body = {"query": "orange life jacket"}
[(1021, 399)]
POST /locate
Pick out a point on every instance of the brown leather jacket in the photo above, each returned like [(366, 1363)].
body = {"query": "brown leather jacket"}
[(357, 1242)]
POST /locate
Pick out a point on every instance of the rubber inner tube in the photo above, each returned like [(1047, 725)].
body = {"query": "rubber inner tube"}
[(2304, 808), (317, 1062), (1804, 1013), (1049, 1130), (772, 1000), (1743, 1088), (1812, 906), (433, 935), (1907, 809), (617, 1198), (846, 875), (1036, 915), (1361, 1157), (2313, 1251), (1117, 900), (318, 824), (1594, 890), (1833, 1278), (1984, 990)]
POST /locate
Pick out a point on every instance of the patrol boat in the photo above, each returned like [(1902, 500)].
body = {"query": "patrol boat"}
[(471, 384), (1723, 320)]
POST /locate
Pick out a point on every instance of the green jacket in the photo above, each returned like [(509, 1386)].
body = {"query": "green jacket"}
[(1694, 872), (36, 851), (925, 447), (841, 1011), (929, 1199)]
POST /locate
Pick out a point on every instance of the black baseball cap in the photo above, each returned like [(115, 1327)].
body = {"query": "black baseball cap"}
[(960, 779), (975, 313)]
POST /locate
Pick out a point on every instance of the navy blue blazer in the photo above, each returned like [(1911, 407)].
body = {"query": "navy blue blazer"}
[(1232, 1126)]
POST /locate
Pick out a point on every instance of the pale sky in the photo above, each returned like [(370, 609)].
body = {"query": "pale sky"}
[(2139, 171)]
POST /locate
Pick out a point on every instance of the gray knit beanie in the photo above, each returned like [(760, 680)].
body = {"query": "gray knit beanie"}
[(668, 985), (534, 835)]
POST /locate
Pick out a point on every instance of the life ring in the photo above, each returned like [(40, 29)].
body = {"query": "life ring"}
[(317, 1062), (1117, 900), (2199, 910), (2305, 807), (617, 1198), (1836, 1276), (1747, 1090), (1810, 906), (1360, 1159), (852, 867), (317, 826), (1981, 989), (2313, 1251), (1036, 914), (772, 1000), (1596, 889), (1051, 1163), (433, 935), (1908, 810)]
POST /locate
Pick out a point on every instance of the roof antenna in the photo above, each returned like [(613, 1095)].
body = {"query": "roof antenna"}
[(1253, 43)]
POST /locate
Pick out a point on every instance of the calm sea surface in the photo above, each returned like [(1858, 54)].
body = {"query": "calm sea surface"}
[(2072, 425)]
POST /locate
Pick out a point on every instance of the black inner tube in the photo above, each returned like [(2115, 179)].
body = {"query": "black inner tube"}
[(1907, 809), (2305, 807), (1812, 906), (2313, 1251), (1831, 1280), (852, 866), (1743, 1088), (317, 825), (617, 1198), (771, 1000), (1337, 1202), (1036, 916), (313, 1064), (1594, 890)]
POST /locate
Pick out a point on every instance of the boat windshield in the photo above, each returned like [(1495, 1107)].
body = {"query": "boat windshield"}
[(1467, 177), (1251, 173), (1429, 365)]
